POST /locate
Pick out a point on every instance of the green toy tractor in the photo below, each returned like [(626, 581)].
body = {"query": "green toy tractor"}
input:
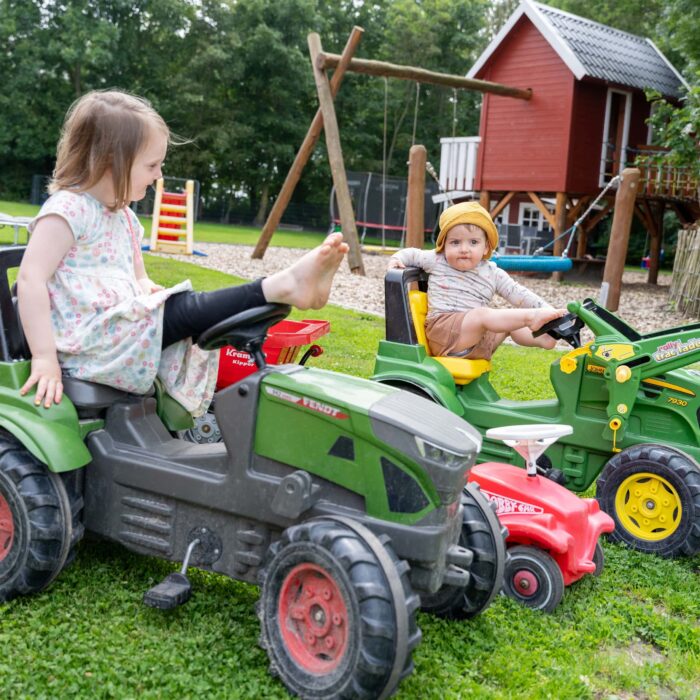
[(343, 499), (633, 404)]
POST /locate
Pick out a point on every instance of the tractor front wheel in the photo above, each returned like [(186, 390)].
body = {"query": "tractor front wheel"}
[(483, 534), (38, 527), (652, 492), (533, 578), (337, 612)]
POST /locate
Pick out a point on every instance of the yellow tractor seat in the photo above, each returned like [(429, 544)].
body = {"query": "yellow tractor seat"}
[(461, 369)]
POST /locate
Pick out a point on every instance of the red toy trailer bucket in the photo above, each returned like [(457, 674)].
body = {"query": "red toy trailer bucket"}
[(284, 340)]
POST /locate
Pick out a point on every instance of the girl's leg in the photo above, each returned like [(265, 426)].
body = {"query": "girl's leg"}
[(188, 314), (523, 336), (305, 284), (478, 321)]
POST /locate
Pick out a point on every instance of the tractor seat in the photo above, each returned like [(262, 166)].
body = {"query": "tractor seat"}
[(462, 370)]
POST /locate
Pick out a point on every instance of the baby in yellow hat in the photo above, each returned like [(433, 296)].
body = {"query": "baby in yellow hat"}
[(462, 283)]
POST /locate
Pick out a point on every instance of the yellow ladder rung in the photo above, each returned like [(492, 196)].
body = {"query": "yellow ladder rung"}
[(173, 207), (180, 220), (172, 232)]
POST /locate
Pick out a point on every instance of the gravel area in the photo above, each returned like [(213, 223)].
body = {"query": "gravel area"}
[(644, 306)]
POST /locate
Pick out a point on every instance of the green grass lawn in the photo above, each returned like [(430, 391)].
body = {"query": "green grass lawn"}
[(631, 633)]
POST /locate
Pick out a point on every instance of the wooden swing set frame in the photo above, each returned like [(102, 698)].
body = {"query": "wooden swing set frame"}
[(325, 119)]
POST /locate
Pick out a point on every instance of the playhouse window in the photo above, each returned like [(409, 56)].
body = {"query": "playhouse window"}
[(531, 216)]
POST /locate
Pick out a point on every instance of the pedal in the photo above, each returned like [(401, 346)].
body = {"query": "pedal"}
[(175, 589), (556, 475)]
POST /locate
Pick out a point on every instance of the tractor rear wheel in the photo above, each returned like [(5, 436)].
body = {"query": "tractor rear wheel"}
[(337, 612), (483, 534), (39, 522), (652, 492)]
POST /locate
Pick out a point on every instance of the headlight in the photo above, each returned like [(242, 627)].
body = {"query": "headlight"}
[(440, 455)]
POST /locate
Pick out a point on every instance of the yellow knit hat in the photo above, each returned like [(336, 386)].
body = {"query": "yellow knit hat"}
[(467, 213)]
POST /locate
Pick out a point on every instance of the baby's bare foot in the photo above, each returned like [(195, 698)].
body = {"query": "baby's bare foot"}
[(307, 283), (542, 316)]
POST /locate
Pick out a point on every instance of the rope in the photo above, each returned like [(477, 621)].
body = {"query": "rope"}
[(386, 101), (454, 112), (572, 230)]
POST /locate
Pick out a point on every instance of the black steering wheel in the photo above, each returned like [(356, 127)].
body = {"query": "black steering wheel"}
[(567, 327), (245, 331)]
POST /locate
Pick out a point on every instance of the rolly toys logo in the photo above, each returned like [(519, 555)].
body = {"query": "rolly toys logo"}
[(306, 402), (507, 506), (674, 348)]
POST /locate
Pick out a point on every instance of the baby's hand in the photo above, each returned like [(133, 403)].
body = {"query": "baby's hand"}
[(148, 286), (46, 374), (395, 264)]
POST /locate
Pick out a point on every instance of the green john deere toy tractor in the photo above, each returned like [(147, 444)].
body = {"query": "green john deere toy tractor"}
[(341, 498), (635, 411)]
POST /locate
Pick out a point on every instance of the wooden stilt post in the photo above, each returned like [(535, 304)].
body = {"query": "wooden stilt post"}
[(485, 200), (619, 236), (305, 151), (335, 157), (559, 228), (415, 204)]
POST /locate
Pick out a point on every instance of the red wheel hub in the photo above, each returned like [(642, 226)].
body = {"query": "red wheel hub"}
[(313, 619), (525, 583), (7, 528)]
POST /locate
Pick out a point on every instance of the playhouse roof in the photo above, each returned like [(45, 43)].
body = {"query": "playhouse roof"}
[(594, 50)]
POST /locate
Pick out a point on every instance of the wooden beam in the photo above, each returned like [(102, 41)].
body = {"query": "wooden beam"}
[(305, 151), (485, 199), (502, 204), (574, 209), (420, 75), (545, 212), (619, 236), (335, 157), (415, 204)]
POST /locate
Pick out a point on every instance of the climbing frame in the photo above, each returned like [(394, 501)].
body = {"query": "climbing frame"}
[(172, 224)]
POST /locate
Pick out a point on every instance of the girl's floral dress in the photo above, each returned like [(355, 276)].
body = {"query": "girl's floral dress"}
[(106, 329)]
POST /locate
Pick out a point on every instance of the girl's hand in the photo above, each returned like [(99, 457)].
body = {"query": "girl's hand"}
[(148, 286), (46, 374), (395, 264)]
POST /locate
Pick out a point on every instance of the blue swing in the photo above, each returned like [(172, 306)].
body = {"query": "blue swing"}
[(549, 263)]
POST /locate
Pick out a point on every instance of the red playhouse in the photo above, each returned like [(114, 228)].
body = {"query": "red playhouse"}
[(552, 533)]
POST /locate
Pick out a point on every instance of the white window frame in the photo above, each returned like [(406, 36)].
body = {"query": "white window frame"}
[(536, 216), (503, 216), (606, 128)]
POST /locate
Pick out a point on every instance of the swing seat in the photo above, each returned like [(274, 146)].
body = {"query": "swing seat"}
[(462, 370), (533, 263)]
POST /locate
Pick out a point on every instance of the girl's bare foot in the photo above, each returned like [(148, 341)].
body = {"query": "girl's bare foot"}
[(307, 283), (542, 316)]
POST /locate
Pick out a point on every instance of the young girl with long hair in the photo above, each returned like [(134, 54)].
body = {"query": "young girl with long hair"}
[(87, 305)]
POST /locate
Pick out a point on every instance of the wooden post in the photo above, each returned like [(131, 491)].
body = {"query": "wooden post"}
[(305, 151), (559, 228), (620, 235), (415, 203), (335, 157), (485, 200)]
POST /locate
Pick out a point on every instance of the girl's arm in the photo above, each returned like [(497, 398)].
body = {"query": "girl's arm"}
[(51, 239), (412, 257), (148, 286)]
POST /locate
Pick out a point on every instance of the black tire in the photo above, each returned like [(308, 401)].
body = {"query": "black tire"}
[(533, 578), (337, 612), (652, 492), (598, 559), (37, 534), (483, 534)]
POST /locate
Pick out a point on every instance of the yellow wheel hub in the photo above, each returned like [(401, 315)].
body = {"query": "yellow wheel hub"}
[(648, 506)]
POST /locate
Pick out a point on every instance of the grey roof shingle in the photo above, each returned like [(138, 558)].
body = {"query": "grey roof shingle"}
[(613, 55)]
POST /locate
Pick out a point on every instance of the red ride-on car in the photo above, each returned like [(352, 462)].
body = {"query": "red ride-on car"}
[(552, 533)]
